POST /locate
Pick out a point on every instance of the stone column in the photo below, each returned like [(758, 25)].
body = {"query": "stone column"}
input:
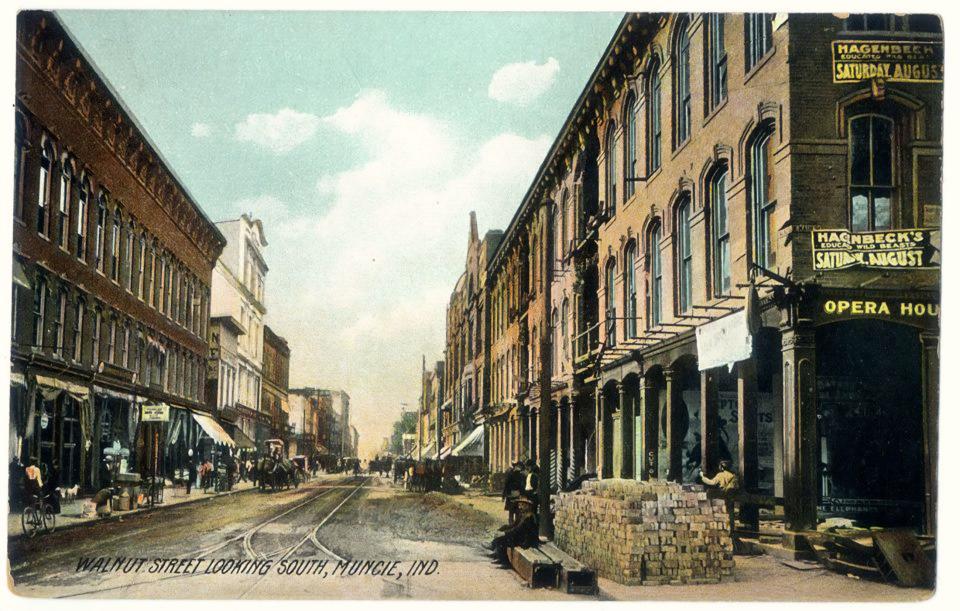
[(747, 460), (598, 423), (616, 434), (930, 372), (800, 462), (709, 422), (673, 444), (573, 467)]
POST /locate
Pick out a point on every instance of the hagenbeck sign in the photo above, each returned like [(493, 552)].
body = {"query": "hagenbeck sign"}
[(895, 61), (835, 249), (155, 413)]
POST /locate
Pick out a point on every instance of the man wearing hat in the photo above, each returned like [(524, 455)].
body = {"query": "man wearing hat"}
[(512, 488), (524, 533)]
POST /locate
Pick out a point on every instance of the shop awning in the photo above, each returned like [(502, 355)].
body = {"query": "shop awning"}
[(20, 276), (445, 452), (115, 394), (243, 440), (428, 450), (472, 445), (212, 428), (77, 391)]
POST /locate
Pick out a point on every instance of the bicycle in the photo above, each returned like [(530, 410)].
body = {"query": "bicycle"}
[(38, 515)]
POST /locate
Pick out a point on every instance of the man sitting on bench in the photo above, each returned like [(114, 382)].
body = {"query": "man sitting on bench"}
[(524, 533)]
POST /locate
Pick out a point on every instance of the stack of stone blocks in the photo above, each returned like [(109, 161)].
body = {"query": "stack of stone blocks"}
[(646, 532)]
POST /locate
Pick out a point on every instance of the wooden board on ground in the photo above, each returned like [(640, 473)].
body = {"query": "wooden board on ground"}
[(901, 559), (534, 567), (575, 576)]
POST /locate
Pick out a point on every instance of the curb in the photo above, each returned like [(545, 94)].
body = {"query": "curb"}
[(138, 512)]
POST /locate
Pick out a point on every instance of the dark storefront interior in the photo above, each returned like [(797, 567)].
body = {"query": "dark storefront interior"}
[(869, 417)]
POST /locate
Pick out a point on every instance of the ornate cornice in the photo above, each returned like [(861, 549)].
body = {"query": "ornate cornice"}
[(47, 46)]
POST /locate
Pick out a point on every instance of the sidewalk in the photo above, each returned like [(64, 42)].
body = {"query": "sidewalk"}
[(759, 578), (69, 516)]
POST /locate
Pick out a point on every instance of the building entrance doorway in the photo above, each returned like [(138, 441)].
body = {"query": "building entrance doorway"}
[(869, 420)]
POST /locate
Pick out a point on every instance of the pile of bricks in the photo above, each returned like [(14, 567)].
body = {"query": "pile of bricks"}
[(646, 533)]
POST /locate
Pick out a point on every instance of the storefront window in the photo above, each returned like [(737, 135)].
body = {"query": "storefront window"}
[(871, 173)]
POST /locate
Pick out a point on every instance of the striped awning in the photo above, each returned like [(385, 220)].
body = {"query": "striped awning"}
[(472, 445), (212, 428)]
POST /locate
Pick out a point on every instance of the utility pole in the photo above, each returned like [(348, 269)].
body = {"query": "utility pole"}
[(546, 373)]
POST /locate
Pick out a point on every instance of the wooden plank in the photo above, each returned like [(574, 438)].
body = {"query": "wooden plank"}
[(575, 576), (534, 567), (901, 551)]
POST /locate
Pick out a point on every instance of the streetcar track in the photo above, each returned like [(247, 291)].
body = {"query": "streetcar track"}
[(246, 539)]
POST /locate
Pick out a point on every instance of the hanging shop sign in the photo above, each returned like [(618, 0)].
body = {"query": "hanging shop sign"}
[(724, 341), (155, 413), (835, 249), (895, 61)]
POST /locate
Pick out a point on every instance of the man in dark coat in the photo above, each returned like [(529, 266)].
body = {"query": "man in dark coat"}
[(191, 471), (512, 487), (524, 533)]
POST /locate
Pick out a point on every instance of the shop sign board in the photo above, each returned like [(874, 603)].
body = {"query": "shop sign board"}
[(917, 311), (155, 413), (836, 249), (919, 61)]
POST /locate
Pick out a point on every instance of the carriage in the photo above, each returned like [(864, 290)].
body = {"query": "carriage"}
[(274, 470)]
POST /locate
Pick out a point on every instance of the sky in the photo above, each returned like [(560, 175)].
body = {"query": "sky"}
[(362, 141)]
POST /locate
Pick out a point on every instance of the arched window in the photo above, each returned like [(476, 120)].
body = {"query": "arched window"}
[(655, 309), (720, 232), (611, 276), (684, 257), (115, 247), (611, 153), (565, 337), (43, 188), (871, 172), (39, 311), (555, 352), (79, 313), (629, 146), (654, 128), (761, 197), (100, 236), (63, 210), (129, 252), (564, 227), (717, 61), (20, 163), (681, 83), (141, 262), (96, 330), (630, 290), (59, 320), (83, 198)]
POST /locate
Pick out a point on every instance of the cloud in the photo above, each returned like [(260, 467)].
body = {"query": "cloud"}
[(280, 132), (201, 130), (373, 260), (523, 82)]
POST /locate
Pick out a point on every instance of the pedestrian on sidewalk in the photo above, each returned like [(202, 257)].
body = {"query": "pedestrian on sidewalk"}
[(191, 470)]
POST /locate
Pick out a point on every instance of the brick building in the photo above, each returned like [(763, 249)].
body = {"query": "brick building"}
[(742, 219), (112, 262), (431, 399), (466, 366), (276, 383)]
